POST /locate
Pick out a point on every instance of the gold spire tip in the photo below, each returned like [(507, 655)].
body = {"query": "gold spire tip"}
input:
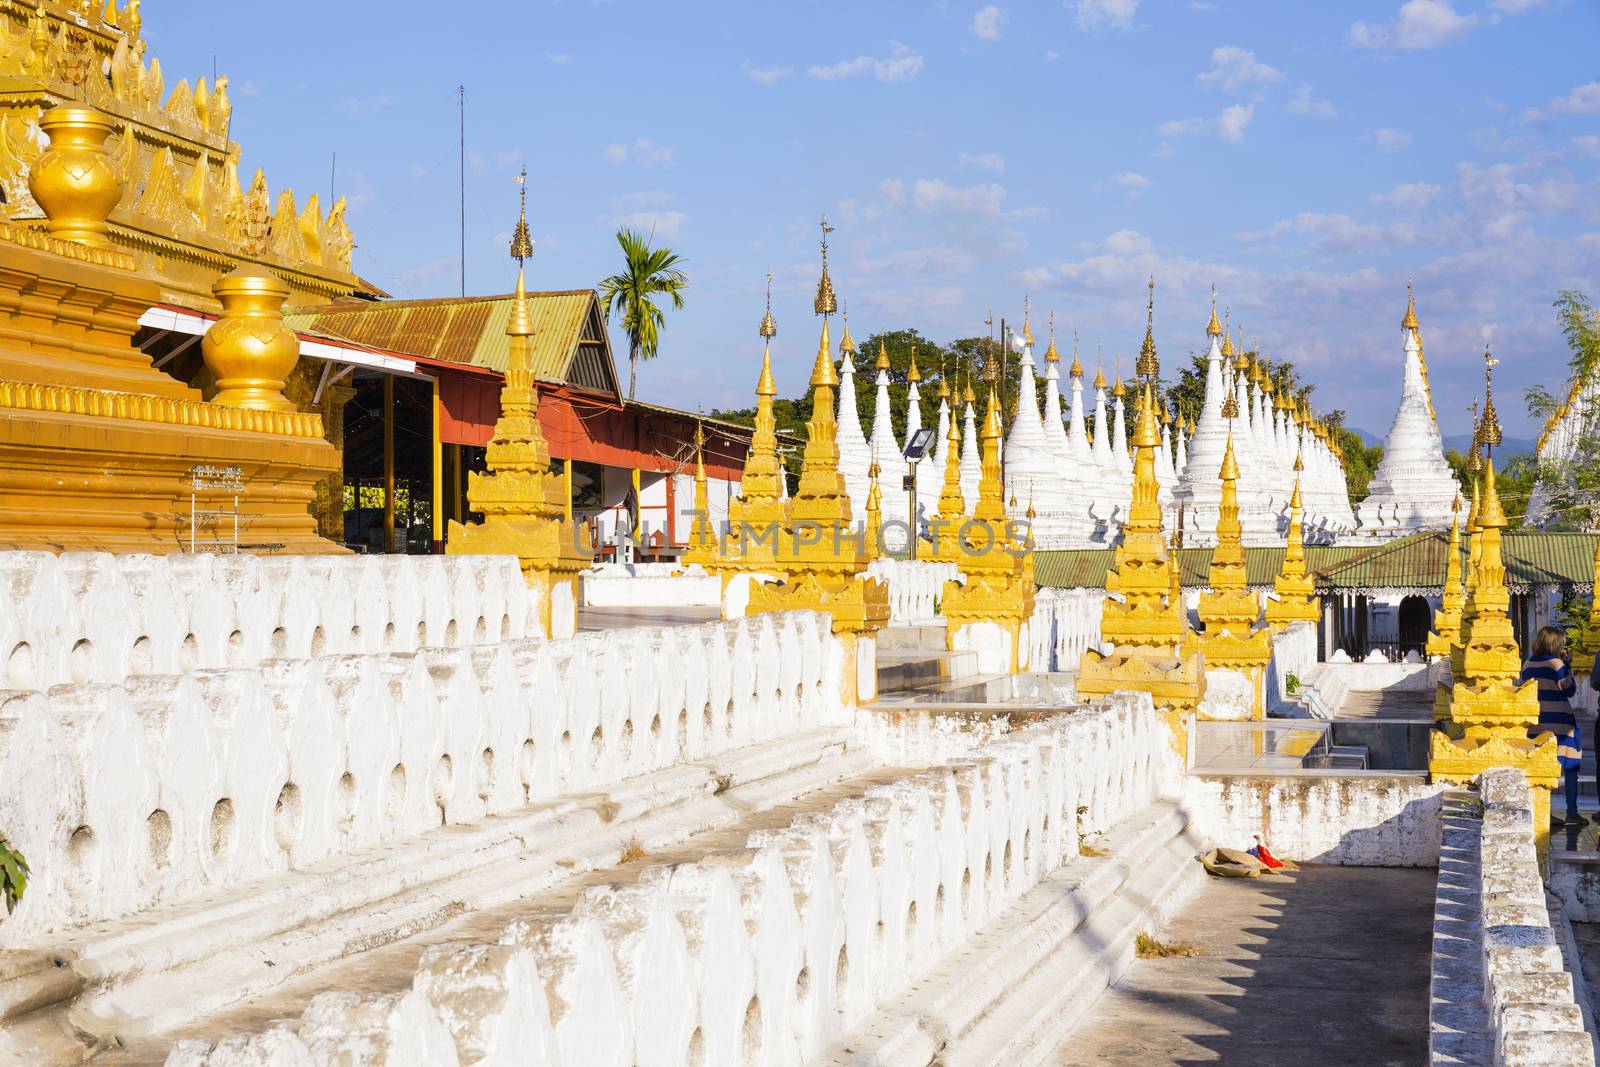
[(769, 325), (521, 242)]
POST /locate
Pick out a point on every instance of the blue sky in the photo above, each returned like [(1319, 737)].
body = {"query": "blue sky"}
[(1304, 157)]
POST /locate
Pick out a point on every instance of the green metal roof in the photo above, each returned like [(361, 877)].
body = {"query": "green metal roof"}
[(1418, 561)]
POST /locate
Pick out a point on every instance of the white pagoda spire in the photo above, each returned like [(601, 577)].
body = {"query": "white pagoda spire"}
[(886, 451), (855, 458), (971, 457), (1413, 488)]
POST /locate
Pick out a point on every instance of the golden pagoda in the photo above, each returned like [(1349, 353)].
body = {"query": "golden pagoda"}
[(998, 594), (1490, 711), (756, 516), (702, 548), (952, 507), (1446, 631), (1148, 630), (1229, 610), (522, 502), (1296, 594), (823, 561)]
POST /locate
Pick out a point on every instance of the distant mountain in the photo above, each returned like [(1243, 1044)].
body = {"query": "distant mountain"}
[(1511, 446)]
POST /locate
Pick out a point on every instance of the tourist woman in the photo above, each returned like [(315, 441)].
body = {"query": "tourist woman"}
[(1547, 666)]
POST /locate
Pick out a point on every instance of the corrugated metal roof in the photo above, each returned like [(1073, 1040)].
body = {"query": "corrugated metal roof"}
[(1414, 562), (570, 345)]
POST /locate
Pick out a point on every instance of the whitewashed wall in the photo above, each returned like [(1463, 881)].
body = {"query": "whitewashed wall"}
[(145, 791), (1294, 652), (915, 588), (1501, 991), (1349, 820), (1066, 623), (95, 617), (766, 954), (650, 585)]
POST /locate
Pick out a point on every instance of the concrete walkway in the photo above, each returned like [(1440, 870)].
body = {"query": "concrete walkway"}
[(1327, 966)]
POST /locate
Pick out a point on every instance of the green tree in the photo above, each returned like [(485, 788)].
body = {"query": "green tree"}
[(630, 296), (1571, 489)]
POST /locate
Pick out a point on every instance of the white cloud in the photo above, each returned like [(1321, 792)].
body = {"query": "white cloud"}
[(666, 224), (1413, 196), (1418, 24), (643, 151), (1131, 183), (1233, 120), (1336, 234), (1052, 55), (1123, 243), (560, 59), (1181, 127), (1233, 68), (1587, 143), (767, 75), (988, 21), (1105, 14), (899, 66), (1583, 100), (1391, 140), (937, 197), (987, 160), (1306, 103)]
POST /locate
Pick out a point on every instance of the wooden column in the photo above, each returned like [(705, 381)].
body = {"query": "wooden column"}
[(388, 463), (437, 489)]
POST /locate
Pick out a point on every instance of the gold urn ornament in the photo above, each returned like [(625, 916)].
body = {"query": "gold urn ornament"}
[(249, 349), (74, 181)]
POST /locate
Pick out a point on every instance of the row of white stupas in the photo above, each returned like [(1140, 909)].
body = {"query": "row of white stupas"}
[(1073, 469)]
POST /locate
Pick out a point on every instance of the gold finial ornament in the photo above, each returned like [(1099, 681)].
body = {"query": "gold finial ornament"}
[(1077, 367), (1050, 353), (944, 380), (1410, 321), (883, 355), (1230, 405), (825, 303), (913, 375), (1148, 366), (1489, 431), (1027, 330), (1213, 328), (521, 242), (249, 349), (1099, 370), (769, 325), (75, 180)]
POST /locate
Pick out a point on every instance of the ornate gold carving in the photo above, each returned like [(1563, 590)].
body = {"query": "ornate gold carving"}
[(1296, 593), (105, 404)]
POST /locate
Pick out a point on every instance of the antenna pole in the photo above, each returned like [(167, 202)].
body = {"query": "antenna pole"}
[(461, 93)]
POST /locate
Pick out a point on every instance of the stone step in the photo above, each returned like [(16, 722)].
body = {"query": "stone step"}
[(163, 972), (1017, 986), (901, 670), (903, 638)]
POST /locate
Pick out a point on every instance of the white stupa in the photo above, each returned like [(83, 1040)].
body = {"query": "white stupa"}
[(971, 455), (1030, 472), (855, 457), (1413, 488), (1113, 491), (930, 476), (894, 501)]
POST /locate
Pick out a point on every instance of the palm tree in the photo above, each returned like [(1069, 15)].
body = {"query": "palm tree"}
[(628, 296)]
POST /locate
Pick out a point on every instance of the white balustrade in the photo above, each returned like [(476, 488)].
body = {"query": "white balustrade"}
[(915, 588), (1065, 624)]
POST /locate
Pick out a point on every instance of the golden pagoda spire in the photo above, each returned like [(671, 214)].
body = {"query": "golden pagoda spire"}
[(1099, 370), (968, 397), (1118, 390), (912, 374), (883, 354), (769, 325), (1489, 429), (521, 242), (825, 303), (702, 548), (1077, 368), (1149, 366), (874, 529), (1410, 321), (944, 380), (1296, 593), (1446, 630), (952, 505), (1050, 354), (1213, 328), (1027, 330), (847, 344)]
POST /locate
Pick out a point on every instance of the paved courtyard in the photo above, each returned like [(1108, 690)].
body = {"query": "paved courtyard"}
[(1326, 966)]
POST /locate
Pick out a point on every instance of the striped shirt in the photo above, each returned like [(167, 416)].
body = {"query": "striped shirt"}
[(1556, 689)]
